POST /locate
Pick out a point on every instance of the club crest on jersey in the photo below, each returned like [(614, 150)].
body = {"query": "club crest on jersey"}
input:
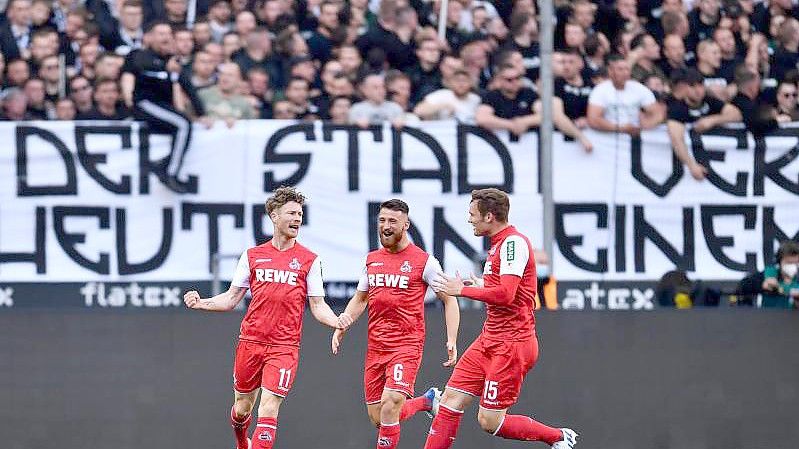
[(384, 442), (265, 436), (295, 264), (406, 267)]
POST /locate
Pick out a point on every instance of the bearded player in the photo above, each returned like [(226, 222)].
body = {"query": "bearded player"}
[(280, 274), (494, 366), (393, 284)]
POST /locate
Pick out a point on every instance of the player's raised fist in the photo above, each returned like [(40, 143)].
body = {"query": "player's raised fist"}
[(192, 299)]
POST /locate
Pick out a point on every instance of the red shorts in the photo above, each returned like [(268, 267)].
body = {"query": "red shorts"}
[(494, 370), (390, 370), (272, 367)]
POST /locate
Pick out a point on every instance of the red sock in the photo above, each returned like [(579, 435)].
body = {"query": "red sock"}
[(444, 427), (264, 436), (240, 429), (414, 406), (518, 427), (389, 436)]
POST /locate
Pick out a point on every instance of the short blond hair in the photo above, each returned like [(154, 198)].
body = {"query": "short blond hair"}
[(282, 196)]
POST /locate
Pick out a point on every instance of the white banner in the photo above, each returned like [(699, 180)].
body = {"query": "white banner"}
[(81, 201), (630, 211)]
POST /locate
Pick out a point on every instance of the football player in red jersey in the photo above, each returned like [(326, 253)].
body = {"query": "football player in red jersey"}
[(393, 283), (494, 366), (280, 274)]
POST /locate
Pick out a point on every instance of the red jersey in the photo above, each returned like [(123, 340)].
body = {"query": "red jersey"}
[(511, 253), (279, 282), (396, 284)]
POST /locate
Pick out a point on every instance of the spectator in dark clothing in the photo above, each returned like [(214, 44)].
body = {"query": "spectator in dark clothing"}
[(80, 91), (786, 55), (572, 88), (787, 101), (17, 72), (124, 34), (730, 58), (516, 109), (37, 102), (425, 75), (15, 105), (107, 105), (65, 109), (708, 63), (147, 84), (704, 19), (689, 104), (759, 117), (258, 53), (15, 31), (261, 91), (399, 53), (523, 28), (328, 34)]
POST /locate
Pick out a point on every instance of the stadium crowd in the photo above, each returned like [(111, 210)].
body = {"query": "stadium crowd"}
[(620, 66)]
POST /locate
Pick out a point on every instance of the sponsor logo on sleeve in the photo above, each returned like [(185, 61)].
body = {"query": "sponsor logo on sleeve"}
[(510, 249)]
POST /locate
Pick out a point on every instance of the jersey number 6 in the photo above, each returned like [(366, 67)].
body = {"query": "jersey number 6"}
[(398, 372)]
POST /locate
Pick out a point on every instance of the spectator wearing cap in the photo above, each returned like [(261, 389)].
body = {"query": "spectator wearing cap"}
[(15, 105), (257, 52), (690, 104), (15, 31), (107, 104), (124, 34), (643, 56), (621, 104), (65, 109), (425, 75), (787, 101), (759, 117), (516, 109), (708, 63), (223, 100), (38, 109), (375, 109), (455, 101), (328, 34), (573, 88), (523, 29), (219, 15)]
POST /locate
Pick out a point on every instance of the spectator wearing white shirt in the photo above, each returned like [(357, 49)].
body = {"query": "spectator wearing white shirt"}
[(620, 104), (456, 101)]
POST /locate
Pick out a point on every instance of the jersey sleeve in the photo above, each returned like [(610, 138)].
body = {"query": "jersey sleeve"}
[(513, 256), (363, 279), (314, 279), (241, 277), (431, 270)]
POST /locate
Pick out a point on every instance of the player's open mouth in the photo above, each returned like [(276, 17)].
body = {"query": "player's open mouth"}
[(295, 227)]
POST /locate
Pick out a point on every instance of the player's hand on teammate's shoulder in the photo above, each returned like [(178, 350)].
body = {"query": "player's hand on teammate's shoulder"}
[(192, 299)]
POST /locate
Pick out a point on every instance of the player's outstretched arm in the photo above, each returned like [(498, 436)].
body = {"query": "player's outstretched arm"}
[(499, 295), (323, 313), (354, 309), (452, 319), (220, 303)]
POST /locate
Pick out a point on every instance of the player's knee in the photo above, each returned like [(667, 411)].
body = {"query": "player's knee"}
[(488, 421), (391, 405), (242, 410)]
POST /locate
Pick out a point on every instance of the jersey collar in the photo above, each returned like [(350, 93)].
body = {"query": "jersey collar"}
[(499, 236)]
